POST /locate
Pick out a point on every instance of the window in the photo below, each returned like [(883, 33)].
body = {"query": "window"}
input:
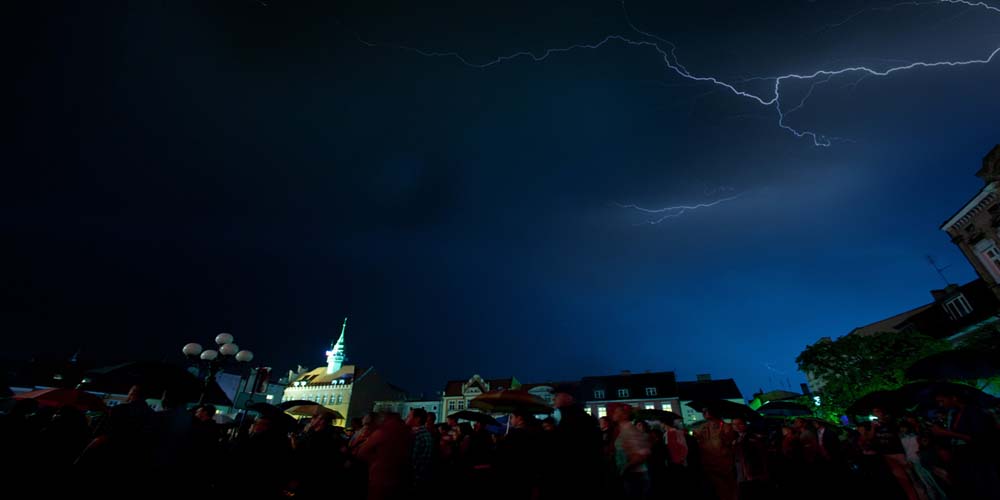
[(599, 394), (667, 407), (340, 399), (322, 400), (990, 256), (650, 406), (461, 405), (623, 393), (602, 411), (651, 391), (958, 307), (451, 405)]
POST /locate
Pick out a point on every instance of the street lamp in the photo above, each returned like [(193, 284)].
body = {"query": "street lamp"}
[(216, 360)]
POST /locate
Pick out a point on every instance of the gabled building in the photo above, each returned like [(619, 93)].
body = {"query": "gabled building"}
[(351, 390), (974, 227), (458, 393), (648, 390), (706, 388)]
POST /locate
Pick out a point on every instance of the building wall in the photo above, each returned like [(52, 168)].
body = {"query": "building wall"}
[(598, 408), (370, 387), (403, 407), (334, 396), (982, 220)]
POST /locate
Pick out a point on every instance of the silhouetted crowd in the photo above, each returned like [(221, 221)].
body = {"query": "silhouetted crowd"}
[(183, 452)]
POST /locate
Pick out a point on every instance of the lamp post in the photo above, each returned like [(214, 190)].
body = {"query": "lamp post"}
[(215, 360)]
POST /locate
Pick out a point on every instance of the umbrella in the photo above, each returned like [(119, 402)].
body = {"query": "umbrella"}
[(891, 401), (273, 413), (923, 393), (724, 409), (155, 378), (959, 364), (510, 401), (778, 395), (78, 399), (660, 415), (295, 402), (475, 416), (784, 409), (311, 409)]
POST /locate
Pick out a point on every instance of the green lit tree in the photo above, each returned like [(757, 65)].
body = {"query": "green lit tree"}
[(855, 365)]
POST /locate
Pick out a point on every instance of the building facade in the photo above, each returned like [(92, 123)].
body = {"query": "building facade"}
[(349, 389), (649, 390), (975, 227), (458, 393)]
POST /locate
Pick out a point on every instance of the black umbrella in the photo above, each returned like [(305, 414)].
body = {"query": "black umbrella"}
[(784, 409), (273, 413), (724, 409), (958, 364), (925, 393), (891, 401), (295, 402), (664, 416), (153, 379), (474, 416)]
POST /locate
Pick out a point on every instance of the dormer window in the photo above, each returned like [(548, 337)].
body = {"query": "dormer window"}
[(651, 391), (958, 307), (599, 394), (623, 393)]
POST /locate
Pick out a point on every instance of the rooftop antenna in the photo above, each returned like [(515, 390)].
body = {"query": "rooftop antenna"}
[(939, 269)]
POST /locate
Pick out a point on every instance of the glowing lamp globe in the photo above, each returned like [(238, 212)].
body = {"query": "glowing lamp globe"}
[(223, 338), (244, 356), (229, 349), (192, 349), (209, 355)]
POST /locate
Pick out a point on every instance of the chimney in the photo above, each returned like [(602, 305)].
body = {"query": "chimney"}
[(944, 293), (704, 377), (805, 388)]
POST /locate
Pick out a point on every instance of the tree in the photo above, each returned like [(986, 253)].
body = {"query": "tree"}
[(855, 365)]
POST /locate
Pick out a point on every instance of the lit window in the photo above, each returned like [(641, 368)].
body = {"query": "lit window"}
[(599, 394), (270, 397), (650, 406), (958, 307), (667, 407), (623, 393), (651, 391), (602, 412)]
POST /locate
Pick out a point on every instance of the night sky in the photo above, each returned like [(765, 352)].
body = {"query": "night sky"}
[(178, 169)]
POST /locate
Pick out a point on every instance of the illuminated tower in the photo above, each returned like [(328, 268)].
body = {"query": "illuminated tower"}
[(335, 356)]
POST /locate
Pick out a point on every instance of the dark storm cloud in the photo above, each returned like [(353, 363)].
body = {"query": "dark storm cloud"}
[(183, 169)]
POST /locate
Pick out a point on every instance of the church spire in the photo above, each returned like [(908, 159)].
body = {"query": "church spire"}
[(335, 356)]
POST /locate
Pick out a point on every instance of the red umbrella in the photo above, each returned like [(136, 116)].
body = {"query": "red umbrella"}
[(76, 398)]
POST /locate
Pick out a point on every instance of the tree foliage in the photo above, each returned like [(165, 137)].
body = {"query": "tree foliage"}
[(855, 365)]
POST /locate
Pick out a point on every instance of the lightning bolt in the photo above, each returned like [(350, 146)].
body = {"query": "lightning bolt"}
[(892, 7), (665, 213), (668, 53)]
